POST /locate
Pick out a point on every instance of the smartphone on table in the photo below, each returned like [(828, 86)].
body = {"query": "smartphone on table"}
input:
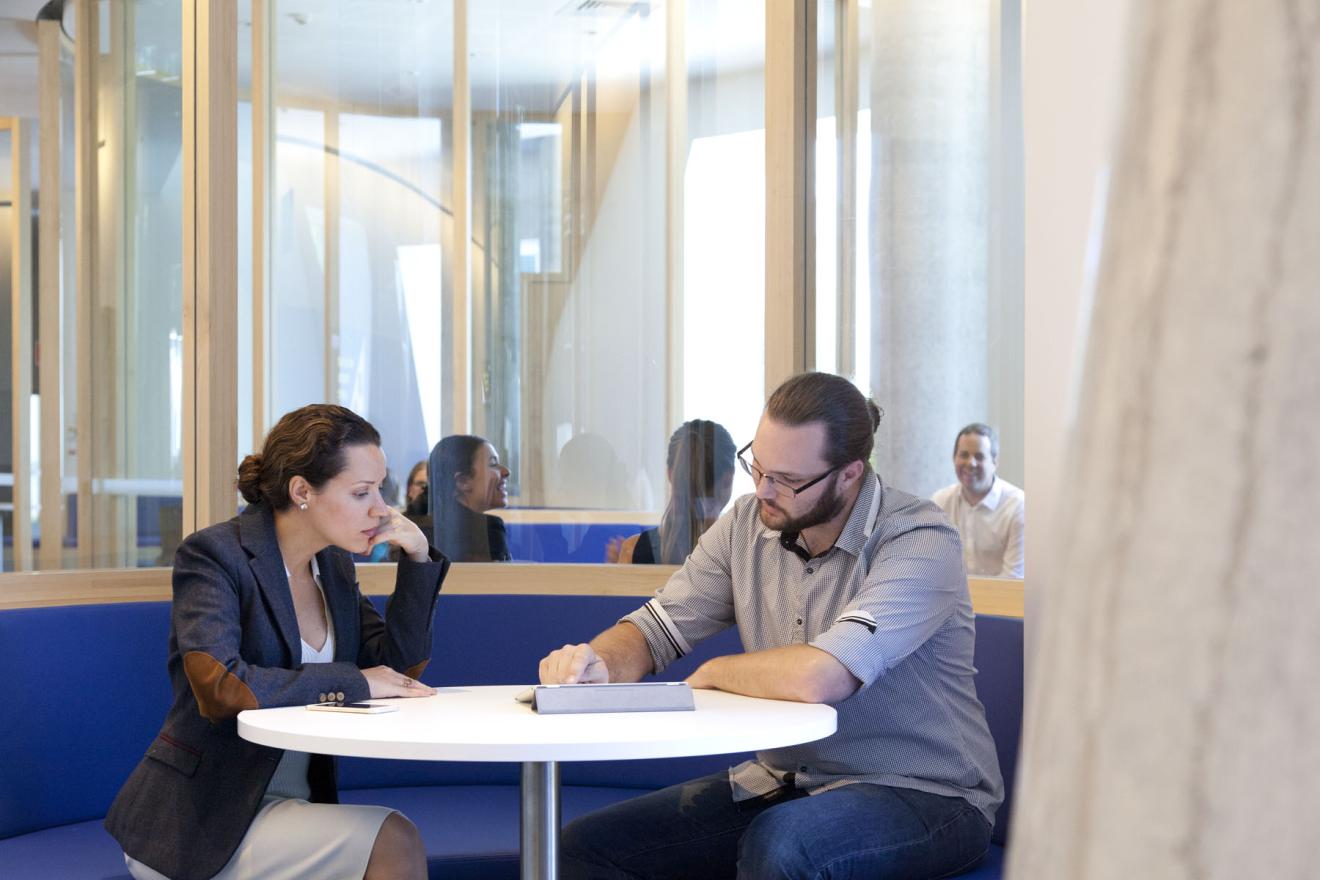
[(358, 708)]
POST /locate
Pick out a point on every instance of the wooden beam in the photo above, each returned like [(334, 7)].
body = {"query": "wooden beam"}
[(20, 297), (116, 290), (790, 119), (989, 595), (210, 213), (50, 309), (86, 56)]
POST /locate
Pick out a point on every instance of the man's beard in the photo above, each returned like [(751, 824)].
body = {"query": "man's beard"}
[(826, 508)]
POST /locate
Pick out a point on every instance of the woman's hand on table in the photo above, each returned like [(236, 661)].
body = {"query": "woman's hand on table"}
[(403, 533), (385, 682)]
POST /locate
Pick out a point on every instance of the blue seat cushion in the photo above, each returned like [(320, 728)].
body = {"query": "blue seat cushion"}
[(471, 831), (999, 667), (78, 745), (81, 851)]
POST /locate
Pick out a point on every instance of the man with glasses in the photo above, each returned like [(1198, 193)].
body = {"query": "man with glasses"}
[(845, 591)]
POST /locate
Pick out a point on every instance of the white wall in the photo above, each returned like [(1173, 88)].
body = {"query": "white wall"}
[(1072, 79)]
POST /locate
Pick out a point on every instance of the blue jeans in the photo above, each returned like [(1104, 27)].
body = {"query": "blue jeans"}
[(696, 830)]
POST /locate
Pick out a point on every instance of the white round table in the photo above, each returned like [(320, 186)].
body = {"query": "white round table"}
[(487, 724)]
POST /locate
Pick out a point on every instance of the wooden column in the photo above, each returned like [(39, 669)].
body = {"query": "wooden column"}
[(790, 118), (86, 55), (51, 310), (20, 245), (116, 291), (210, 314)]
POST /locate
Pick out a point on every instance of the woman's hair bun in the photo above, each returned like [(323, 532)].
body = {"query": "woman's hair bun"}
[(249, 479), (308, 442)]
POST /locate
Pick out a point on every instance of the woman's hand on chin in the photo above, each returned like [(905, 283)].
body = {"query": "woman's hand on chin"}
[(404, 534)]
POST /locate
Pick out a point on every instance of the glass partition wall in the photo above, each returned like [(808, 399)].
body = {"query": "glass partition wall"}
[(542, 223), (918, 199), (13, 174), (599, 269), (356, 217), (95, 358)]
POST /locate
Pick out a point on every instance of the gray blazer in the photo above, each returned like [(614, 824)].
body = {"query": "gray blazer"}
[(235, 645)]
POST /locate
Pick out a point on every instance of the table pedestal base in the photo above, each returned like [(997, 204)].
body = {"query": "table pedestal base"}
[(540, 820)]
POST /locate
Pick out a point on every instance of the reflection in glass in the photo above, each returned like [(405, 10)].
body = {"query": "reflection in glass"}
[(360, 218), (68, 466), (723, 291), (8, 212), (699, 470), (581, 359), (466, 479), (124, 470)]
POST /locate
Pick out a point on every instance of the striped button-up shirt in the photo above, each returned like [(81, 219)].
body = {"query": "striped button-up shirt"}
[(889, 601)]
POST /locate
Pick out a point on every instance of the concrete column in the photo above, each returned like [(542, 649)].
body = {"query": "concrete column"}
[(928, 207), (1172, 723)]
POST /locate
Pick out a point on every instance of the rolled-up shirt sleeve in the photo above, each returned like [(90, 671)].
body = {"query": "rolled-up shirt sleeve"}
[(911, 589), (695, 603)]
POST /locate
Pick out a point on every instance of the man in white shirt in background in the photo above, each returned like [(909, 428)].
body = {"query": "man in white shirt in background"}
[(989, 512)]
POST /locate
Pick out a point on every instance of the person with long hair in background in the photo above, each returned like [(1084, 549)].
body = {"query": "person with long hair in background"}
[(699, 467)]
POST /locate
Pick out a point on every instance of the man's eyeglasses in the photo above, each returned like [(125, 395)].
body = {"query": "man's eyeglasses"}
[(777, 483)]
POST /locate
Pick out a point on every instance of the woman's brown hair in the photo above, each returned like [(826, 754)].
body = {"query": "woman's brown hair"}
[(308, 443)]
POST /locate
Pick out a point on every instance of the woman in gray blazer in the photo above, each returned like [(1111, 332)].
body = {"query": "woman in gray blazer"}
[(267, 612)]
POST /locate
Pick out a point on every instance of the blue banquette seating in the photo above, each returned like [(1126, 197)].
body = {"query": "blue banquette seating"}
[(87, 692)]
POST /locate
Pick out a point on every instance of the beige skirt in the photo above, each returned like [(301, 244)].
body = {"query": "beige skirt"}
[(293, 838)]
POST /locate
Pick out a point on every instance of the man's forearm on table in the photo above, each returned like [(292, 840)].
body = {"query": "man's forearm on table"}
[(624, 650), (795, 672)]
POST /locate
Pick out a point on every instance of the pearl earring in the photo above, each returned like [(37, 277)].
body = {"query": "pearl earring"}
[(302, 506)]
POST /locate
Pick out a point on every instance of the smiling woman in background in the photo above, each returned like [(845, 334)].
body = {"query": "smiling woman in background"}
[(267, 613), (466, 480)]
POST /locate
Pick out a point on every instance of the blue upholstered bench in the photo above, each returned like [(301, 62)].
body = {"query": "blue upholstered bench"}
[(88, 691)]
